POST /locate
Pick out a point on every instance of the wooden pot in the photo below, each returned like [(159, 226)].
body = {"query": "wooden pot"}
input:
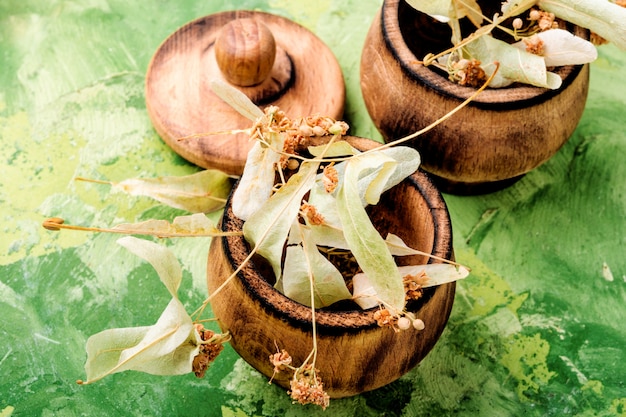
[(500, 136), (354, 353)]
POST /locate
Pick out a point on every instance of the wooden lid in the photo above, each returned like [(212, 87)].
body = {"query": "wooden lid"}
[(271, 59)]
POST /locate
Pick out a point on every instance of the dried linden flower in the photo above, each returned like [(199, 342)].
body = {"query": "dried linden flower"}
[(281, 360), (330, 178), (534, 45), (307, 388), (208, 352), (469, 72), (312, 215)]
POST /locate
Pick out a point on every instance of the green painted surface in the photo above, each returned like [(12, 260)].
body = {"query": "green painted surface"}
[(538, 329)]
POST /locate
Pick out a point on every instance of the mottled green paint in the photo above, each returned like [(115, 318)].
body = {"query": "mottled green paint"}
[(536, 330)]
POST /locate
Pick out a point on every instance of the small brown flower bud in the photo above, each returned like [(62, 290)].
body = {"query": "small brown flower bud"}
[(318, 131), (53, 223)]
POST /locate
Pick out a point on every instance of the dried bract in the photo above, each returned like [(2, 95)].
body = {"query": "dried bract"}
[(208, 352)]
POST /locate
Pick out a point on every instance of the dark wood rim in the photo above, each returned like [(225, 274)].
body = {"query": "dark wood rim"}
[(508, 98)]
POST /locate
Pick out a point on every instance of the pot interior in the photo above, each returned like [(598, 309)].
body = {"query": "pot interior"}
[(413, 210)]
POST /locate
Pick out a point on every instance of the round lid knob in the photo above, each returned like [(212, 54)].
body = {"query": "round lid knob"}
[(245, 51), (272, 60)]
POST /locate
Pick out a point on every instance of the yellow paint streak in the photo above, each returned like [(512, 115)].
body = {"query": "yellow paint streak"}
[(526, 360)]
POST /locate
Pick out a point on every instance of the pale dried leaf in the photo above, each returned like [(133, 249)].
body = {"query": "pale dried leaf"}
[(515, 65), (605, 18), (366, 244), (268, 227), (397, 247), (515, 7), (561, 47), (256, 183), (303, 263), (434, 8), (471, 10), (331, 232), (438, 274), (197, 225), (202, 192), (160, 257), (366, 296), (166, 348), (236, 99), (407, 161), (335, 149)]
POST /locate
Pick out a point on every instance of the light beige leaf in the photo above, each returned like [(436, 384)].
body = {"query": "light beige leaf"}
[(438, 274), (183, 226), (268, 227), (166, 348), (605, 18), (335, 149), (471, 10), (256, 183), (439, 8), (202, 192), (366, 244), (303, 263), (236, 99), (407, 161), (330, 233), (160, 257), (397, 247), (366, 296), (511, 8), (561, 47), (515, 65)]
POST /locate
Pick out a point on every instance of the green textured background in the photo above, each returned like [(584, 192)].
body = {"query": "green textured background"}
[(538, 328)]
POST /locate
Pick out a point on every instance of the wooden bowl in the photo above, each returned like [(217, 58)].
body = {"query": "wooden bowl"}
[(354, 353), (500, 136)]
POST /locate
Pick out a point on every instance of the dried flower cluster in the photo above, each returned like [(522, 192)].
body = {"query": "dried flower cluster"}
[(413, 285), (468, 72), (534, 45), (281, 361), (306, 386), (208, 351), (330, 178), (544, 20), (297, 131), (311, 214), (384, 318)]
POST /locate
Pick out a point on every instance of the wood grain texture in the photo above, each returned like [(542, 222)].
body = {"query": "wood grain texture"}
[(305, 79), (354, 353), (245, 52), (501, 135)]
